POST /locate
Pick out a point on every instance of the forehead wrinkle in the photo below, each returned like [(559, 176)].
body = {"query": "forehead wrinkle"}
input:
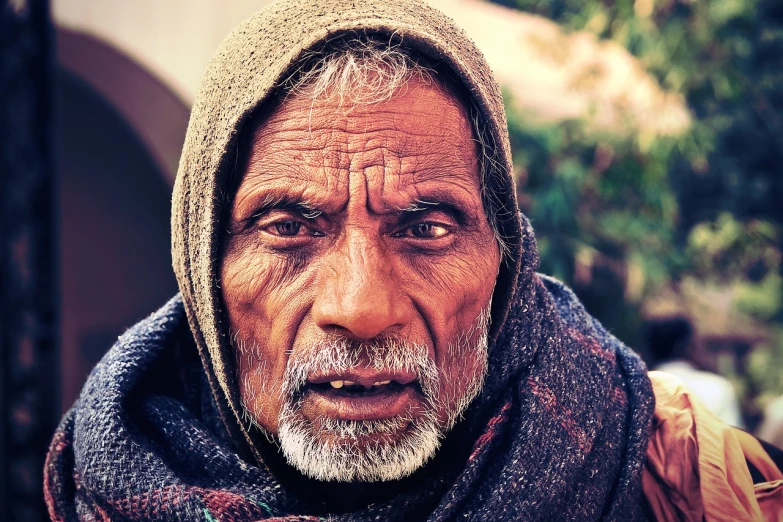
[(452, 147), (259, 185), (265, 171), (304, 116), (432, 142), (405, 178)]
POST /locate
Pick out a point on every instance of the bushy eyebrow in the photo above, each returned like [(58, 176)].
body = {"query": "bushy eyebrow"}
[(441, 201), (286, 202), (419, 205), (446, 201)]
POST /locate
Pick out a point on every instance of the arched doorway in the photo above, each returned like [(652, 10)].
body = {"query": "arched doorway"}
[(114, 199)]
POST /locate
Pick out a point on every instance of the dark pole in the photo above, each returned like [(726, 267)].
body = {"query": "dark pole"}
[(29, 383)]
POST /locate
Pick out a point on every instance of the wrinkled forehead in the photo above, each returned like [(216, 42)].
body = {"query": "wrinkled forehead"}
[(416, 146), (420, 118), (434, 132)]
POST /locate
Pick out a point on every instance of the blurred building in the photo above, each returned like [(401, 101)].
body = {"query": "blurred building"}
[(724, 336), (126, 75)]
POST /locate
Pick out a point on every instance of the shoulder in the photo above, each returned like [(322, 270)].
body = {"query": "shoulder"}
[(698, 467)]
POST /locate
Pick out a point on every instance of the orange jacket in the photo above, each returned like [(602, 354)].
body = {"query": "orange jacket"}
[(696, 465)]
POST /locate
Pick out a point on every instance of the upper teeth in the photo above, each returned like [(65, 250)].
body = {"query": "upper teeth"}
[(340, 384)]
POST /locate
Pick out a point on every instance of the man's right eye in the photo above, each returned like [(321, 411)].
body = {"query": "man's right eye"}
[(288, 228)]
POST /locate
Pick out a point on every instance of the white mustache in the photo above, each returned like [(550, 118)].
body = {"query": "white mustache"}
[(341, 355)]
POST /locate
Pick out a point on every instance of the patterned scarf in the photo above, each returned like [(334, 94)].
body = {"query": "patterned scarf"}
[(563, 439)]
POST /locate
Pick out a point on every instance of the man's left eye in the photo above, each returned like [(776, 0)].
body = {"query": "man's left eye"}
[(425, 231), (288, 228)]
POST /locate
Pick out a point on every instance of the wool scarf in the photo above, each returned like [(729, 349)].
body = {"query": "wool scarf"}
[(565, 440), (559, 431)]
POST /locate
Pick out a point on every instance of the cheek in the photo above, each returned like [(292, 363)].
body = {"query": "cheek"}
[(259, 387), (453, 293), (462, 366), (261, 290), (247, 273), (453, 290), (262, 303)]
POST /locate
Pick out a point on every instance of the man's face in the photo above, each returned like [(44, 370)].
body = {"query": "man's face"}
[(357, 275)]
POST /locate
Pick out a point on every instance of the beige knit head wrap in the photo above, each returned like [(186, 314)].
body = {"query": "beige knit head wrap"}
[(244, 72)]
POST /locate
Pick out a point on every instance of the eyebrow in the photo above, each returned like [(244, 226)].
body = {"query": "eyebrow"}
[(285, 202), (430, 201), (444, 200), (419, 205)]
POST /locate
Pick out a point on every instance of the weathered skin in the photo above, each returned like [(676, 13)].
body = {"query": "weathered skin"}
[(364, 268)]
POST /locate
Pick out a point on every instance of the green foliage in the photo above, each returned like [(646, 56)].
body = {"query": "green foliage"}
[(619, 218), (764, 365), (599, 203), (726, 58), (728, 249)]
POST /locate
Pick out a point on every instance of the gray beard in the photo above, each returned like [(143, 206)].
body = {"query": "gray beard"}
[(345, 461), (332, 450)]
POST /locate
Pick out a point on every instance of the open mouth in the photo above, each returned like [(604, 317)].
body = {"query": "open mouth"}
[(347, 388), (360, 397)]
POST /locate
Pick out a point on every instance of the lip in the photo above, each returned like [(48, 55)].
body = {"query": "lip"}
[(364, 376), (398, 400)]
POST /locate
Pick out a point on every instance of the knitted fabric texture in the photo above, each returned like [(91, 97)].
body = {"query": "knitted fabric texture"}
[(565, 441), (559, 431)]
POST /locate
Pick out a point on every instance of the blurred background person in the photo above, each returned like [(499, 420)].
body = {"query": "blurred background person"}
[(669, 342), (771, 428)]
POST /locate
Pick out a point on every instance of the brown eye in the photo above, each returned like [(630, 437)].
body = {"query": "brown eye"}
[(428, 230), (288, 228)]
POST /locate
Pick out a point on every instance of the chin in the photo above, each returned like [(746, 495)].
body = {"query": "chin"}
[(358, 451)]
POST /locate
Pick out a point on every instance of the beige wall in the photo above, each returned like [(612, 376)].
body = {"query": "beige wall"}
[(173, 39), (551, 75)]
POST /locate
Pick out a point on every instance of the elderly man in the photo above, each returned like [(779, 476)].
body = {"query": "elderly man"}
[(361, 334)]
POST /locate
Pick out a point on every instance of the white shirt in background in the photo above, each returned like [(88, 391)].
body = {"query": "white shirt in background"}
[(715, 391)]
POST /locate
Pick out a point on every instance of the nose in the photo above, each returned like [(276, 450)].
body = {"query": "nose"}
[(359, 294)]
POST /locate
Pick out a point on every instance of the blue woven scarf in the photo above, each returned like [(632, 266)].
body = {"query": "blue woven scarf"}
[(559, 433)]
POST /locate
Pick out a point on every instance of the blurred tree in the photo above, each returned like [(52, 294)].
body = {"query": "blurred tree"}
[(619, 217)]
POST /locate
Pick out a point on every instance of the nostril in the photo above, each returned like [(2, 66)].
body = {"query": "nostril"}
[(361, 298), (359, 318)]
